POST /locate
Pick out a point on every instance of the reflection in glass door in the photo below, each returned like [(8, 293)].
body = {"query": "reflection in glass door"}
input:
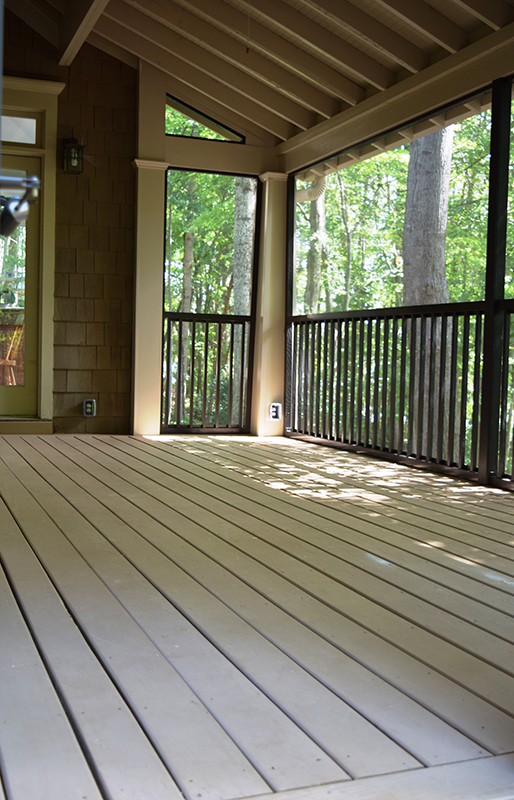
[(19, 261)]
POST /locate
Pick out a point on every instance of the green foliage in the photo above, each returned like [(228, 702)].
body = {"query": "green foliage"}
[(365, 206), (178, 124), (204, 204)]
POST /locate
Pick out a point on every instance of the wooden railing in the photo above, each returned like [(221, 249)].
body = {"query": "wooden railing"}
[(403, 382), (206, 372)]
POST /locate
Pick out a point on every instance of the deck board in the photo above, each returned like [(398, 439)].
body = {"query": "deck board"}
[(265, 615)]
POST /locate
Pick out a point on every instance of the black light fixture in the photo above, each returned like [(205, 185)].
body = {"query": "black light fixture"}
[(72, 157)]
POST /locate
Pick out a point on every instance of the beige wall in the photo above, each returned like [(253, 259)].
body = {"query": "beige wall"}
[(95, 217)]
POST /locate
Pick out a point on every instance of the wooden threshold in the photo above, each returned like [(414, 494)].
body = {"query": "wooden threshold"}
[(230, 617)]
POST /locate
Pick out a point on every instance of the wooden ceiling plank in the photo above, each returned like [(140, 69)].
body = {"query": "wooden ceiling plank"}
[(379, 36), (494, 13), (429, 22), (36, 19), (202, 59), (208, 85), (198, 30), (77, 24), (257, 36), (347, 57)]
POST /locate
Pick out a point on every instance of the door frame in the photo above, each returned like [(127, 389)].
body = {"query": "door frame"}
[(35, 97)]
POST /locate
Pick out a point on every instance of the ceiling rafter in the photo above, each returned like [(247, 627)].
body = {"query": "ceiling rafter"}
[(377, 35), (494, 13), (76, 25), (429, 22), (286, 54), (198, 30), (347, 58), (208, 85), (205, 61)]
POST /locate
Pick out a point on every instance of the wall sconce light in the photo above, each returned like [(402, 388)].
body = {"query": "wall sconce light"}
[(72, 157)]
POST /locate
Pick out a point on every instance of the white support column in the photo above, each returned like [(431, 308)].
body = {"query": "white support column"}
[(268, 373), (148, 293)]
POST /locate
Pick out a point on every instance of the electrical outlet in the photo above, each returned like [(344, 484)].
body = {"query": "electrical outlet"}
[(275, 411), (89, 408)]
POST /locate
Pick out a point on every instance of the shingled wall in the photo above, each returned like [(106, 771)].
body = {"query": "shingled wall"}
[(95, 230)]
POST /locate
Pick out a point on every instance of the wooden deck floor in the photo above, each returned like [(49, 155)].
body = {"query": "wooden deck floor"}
[(219, 618)]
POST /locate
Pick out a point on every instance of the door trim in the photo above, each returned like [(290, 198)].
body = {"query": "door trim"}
[(33, 96)]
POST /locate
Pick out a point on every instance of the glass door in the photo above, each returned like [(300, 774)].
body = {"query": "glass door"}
[(19, 304)]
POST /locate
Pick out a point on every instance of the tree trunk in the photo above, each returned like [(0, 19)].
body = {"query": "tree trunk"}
[(348, 234), (426, 213), (245, 199), (185, 307), (244, 216), (315, 255), (424, 278)]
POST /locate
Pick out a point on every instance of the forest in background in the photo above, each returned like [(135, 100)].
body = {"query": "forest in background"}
[(350, 241)]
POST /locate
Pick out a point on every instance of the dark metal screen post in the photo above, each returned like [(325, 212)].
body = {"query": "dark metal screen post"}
[(495, 278)]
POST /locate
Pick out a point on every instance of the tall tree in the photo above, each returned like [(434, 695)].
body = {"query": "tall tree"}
[(424, 265), (426, 215)]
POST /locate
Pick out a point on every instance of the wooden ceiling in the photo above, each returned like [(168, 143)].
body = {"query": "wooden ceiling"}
[(272, 69)]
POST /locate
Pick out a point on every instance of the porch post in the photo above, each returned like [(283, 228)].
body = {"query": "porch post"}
[(269, 364), (495, 278), (148, 296)]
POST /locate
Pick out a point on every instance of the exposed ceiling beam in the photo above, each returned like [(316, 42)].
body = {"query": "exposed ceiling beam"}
[(285, 53), (76, 25), (33, 16), (429, 22), (346, 57), (202, 59), (379, 36), (494, 13), (191, 76), (198, 30), (113, 50)]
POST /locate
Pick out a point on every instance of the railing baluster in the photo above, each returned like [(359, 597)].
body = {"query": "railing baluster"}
[(205, 374), (324, 410), (403, 378), (331, 378), (376, 387), (477, 381), (306, 391), (502, 442), (300, 379), (464, 393), (192, 373), (360, 384), (344, 430), (441, 406), (411, 427), (338, 433), (242, 372), (432, 363), (385, 383), (353, 361), (369, 345), (392, 404), (319, 375), (452, 409)]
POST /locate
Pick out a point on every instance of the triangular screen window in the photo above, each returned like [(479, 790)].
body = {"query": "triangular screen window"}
[(183, 120)]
